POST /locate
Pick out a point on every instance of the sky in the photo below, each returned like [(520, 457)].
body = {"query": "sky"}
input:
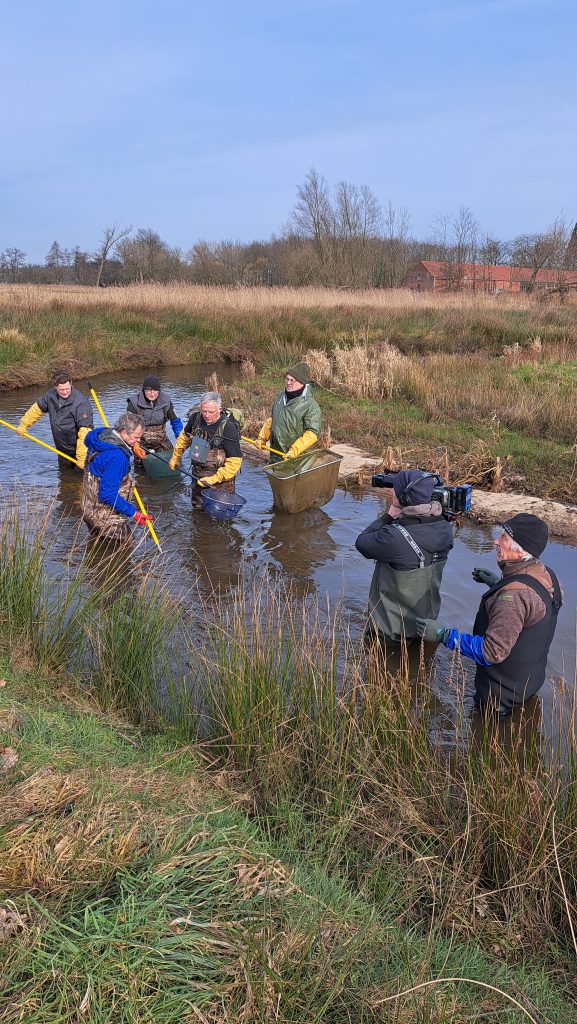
[(200, 118)]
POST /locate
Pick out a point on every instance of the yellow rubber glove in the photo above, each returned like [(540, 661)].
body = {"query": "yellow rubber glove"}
[(226, 472), (30, 416), (81, 447), (183, 442), (301, 444), (264, 433)]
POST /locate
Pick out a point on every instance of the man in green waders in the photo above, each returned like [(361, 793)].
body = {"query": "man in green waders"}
[(296, 420), (410, 545)]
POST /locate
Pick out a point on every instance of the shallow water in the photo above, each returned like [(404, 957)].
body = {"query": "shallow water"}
[(314, 550)]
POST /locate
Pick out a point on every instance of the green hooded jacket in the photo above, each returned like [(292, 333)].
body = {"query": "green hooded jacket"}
[(291, 419)]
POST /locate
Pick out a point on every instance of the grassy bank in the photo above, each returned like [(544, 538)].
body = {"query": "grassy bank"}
[(371, 863), (136, 888), (474, 377)]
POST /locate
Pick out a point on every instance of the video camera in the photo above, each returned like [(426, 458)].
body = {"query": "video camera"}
[(454, 501)]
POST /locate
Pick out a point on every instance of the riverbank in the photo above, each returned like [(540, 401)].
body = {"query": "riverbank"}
[(137, 885), (428, 858), (468, 379)]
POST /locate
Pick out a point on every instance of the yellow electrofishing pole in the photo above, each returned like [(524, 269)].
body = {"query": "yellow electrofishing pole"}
[(264, 447), (136, 494), (38, 441)]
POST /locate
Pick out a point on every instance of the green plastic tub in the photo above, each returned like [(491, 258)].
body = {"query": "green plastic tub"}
[(157, 465), (306, 482)]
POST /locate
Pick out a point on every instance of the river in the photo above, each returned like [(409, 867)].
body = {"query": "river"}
[(313, 550)]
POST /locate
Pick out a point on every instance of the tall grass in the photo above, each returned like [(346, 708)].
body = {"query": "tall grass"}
[(312, 723), (336, 750)]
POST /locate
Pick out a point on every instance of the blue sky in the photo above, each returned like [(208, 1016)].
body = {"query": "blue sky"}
[(200, 119)]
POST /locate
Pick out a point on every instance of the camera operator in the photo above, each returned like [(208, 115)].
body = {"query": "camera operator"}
[(515, 622), (410, 545)]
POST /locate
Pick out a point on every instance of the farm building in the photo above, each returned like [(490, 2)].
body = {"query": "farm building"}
[(437, 275)]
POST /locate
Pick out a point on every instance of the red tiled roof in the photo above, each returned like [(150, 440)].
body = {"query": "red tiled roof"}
[(438, 269)]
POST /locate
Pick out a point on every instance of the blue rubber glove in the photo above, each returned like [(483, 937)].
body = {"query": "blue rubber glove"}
[(485, 576), (176, 425), (469, 644), (431, 629)]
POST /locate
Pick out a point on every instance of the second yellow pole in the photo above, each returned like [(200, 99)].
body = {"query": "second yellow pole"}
[(136, 494)]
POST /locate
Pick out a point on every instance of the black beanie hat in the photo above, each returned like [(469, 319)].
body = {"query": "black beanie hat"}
[(530, 532), (300, 372), (421, 492), (151, 382)]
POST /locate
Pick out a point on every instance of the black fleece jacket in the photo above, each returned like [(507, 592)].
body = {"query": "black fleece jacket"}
[(384, 543)]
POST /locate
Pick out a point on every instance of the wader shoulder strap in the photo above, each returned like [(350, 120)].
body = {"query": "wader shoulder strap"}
[(411, 540)]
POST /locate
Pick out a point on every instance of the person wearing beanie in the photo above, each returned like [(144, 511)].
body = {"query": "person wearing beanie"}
[(296, 421), (70, 415), (515, 622), (410, 545), (157, 410)]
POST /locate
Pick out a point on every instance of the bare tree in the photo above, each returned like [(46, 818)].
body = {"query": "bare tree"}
[(11, 263), (313, 215), (110, 238), (570, 258), (146, 257), (55, 260), (397, 254), (541, 251)]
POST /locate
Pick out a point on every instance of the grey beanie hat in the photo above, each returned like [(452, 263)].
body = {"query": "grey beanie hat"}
[(422, 488)]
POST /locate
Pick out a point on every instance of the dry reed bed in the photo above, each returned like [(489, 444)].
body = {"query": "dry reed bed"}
[(200, 298)]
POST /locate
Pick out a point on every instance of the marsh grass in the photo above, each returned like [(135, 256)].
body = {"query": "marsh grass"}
[(336, 755)]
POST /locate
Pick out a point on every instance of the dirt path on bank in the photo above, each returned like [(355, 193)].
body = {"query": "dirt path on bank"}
[(486, 506)]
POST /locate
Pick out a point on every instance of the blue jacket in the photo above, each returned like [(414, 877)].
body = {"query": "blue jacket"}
[(110, 464)]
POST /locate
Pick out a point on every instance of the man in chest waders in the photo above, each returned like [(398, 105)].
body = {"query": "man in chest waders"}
[(410, 545), (516, 620), (70, 414), (108, 487), (156, 409), (220, 431), (296, 420)]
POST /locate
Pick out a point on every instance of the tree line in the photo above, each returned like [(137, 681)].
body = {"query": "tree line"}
[(339, 236)]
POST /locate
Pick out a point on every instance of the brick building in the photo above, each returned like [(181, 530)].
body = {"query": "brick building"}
[(438, 276)]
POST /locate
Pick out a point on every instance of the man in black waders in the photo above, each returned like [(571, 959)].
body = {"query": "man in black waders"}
[(70, 414), (410, 545), (221, 459), (515, 622)]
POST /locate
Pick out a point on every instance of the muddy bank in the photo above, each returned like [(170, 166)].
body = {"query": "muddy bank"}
[(486, 506)]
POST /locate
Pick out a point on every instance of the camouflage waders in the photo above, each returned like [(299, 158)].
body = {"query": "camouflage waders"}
[(216, 459), (98, 516), (155, 437)]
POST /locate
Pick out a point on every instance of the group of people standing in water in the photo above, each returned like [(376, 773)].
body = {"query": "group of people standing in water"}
[(410, 543), (106, 455)]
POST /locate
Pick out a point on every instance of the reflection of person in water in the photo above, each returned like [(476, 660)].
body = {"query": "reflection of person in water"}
[(213, 555), (301, 543)]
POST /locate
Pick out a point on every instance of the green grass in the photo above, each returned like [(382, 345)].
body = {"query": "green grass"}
[(149, 896)]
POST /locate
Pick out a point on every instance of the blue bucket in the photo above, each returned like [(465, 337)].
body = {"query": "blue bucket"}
[(221, 504)]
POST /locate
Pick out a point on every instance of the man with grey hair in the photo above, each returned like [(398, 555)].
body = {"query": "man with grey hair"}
[(221, 432), (108, 484), (515, 622)]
